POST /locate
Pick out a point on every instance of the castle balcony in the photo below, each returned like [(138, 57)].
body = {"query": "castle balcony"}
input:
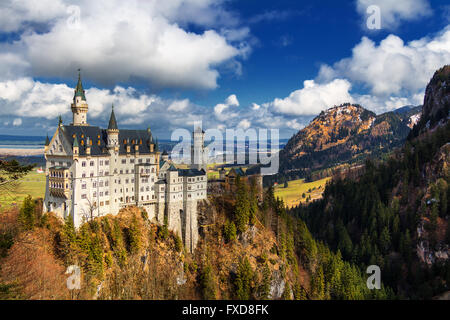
[(59, 182)]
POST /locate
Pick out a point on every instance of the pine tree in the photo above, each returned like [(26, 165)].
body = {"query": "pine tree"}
[(243, 281), (318, 284), (229, 231), (26, 216), (207, 283), (242, 210)]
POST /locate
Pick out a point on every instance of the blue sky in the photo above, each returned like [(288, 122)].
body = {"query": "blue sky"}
[(232, 64)]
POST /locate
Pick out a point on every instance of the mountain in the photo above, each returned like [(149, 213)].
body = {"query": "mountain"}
[(395, 214), (436, 106), (346, 133)]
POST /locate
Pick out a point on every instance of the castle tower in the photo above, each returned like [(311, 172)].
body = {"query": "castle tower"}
[(79, 106), (198, 152)]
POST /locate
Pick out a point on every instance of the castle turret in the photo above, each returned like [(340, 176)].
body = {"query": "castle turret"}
[(113, 133), (75, 148), (151, 144), (79, 106)]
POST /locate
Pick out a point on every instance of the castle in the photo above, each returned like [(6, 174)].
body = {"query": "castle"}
[(91, 172)]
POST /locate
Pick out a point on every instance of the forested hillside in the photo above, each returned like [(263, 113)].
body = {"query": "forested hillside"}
[(248, 250), (396, 215)]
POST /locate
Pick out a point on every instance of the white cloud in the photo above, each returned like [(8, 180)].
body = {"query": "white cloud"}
[(179, 105), (17, 122), (232, 101), (255, 106), (293, 124), (221, 108), (313, 98), (116, 41), (394, 12), (244, 124), (393, 71)]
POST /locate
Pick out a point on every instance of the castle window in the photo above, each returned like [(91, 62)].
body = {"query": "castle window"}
[(83, 164), (131, 160), (94, 194), (98, 136), (83, 175), (124, 161), (83, 186), (94, 184), (82, 142), (140, 161), (107, 203), (147, 160), (91, 174), (83, 196), (106, 162), (132, 141), (101, 162), (91, 163), (106, 183), (124, 141), (126, 171)]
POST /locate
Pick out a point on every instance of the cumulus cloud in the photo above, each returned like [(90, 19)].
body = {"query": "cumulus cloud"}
[(221, 108), (394, 12), (313, 98), (116, 41), (17, 122), (244, 124), (393, 72), (179, 105), (232, 101)]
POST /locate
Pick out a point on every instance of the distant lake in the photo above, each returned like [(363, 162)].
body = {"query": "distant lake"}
[(21, 146)]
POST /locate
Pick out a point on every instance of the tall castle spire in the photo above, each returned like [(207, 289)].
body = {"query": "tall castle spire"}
[(79, 91), (79, 106), (113, 133), (112, 120)]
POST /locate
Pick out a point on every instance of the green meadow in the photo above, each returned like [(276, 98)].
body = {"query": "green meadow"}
[(293, 194), (32, 184)]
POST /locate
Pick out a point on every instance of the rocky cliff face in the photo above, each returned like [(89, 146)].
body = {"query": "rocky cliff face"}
[(436, 106)]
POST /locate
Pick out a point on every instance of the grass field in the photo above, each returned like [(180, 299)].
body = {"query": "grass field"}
[(32, 184), (292, 195)]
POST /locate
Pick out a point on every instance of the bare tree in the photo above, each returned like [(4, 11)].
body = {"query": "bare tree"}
[(89, 212)]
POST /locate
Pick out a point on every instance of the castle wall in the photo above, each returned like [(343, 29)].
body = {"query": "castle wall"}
[(190, 225)]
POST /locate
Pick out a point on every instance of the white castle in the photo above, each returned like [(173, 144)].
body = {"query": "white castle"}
[(91, 172)]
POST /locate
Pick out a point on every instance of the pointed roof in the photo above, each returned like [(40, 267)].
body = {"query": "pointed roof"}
[(75, 142), (60, 121), (47, 141), (172, 168), (112, 120), (79, 91)]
